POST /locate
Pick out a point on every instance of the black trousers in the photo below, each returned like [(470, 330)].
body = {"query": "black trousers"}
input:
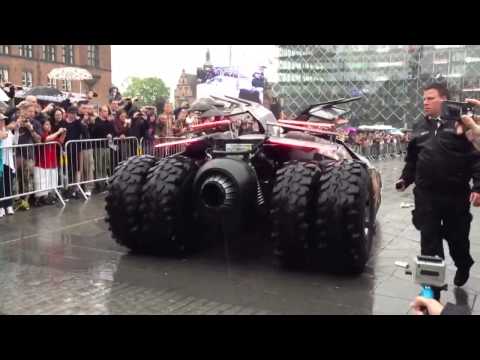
[(446, 216)]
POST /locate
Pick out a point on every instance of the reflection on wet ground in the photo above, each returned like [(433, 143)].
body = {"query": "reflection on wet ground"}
[(63, 261)]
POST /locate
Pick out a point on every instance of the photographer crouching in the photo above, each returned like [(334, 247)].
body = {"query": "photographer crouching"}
[(441, 161)]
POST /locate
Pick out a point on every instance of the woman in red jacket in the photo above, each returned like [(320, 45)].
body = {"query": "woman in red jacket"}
[(45, 172)]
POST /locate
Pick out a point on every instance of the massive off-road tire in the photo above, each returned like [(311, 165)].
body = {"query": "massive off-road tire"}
[(343, 230), (167, 206), (123, 200), (292, 206)]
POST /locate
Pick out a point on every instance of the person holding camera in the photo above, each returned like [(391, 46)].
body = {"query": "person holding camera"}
[(425, 306), (441, 163), (29, 131), (471, 125), (138, 127), (45, 172), (47, 113), (56, 117), (40, 114)]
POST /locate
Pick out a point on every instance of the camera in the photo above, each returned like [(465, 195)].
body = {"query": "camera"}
[(454, 110), (426, 270)]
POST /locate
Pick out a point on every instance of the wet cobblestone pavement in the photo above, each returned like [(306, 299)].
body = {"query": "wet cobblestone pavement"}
[(63, 261)]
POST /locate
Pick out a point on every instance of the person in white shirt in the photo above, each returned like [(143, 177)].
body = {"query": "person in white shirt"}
[(7, 173)]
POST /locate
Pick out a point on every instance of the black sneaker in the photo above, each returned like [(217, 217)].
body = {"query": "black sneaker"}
[(461, 276)]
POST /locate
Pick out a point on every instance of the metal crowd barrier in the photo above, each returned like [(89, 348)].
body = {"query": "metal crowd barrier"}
[(31, 169), (93, 160), (47, 167)]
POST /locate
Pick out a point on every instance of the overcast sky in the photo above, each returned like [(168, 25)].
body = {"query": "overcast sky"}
[(167, 61)]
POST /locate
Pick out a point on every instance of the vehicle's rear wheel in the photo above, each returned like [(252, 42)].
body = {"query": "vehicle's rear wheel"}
[(293, 195), (167, 206), (123, 200)]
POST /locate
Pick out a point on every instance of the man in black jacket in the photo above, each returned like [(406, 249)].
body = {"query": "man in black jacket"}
[(139, 126), (86, 161), (441, 163), (75, 131), (102, 129)]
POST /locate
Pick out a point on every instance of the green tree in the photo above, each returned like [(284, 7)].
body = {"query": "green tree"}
[(150, 90)]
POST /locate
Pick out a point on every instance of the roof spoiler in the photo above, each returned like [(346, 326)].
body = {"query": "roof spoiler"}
[(331, 103)]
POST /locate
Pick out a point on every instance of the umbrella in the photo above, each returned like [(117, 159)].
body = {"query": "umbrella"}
[(3, 96), (70, 73), (43, 91)]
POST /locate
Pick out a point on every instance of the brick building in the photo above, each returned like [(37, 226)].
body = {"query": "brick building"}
[(186, 90), (29, 65)]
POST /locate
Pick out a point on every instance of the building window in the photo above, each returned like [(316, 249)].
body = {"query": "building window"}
[(68, 54), (93, 55), (49, 53), (27, 79), (3, 74), (4, 49), (26, 51), (67, 85)]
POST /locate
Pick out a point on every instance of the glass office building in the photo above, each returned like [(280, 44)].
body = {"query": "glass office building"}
[(389, 77)]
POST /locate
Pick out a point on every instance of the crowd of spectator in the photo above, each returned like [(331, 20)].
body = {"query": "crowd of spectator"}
[(374, 144), (30, 131)]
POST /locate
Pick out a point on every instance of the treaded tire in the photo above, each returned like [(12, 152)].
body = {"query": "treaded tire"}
[(123, 200), (345, 197), (325, 216), (167, 206), (292, 210)]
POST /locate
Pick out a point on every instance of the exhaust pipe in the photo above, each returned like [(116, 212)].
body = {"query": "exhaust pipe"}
[(218, 191), (226, 187)]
